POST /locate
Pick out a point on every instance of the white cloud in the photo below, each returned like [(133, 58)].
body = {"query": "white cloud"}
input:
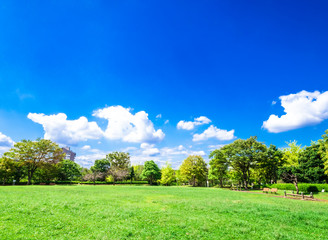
[(86, 147), (189, 125), (201, 153), (166, 122), (128, 127), (214, 132), (214, 147), (302, 109), (149, 149), (6, 141), (159, 116), (273, 103), (68, 132), (89, 159)]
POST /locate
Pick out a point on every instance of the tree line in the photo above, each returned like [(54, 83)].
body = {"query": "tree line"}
[(244, 163)]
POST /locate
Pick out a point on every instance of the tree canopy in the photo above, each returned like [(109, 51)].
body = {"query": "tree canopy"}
[(194, 170), (151, 172)]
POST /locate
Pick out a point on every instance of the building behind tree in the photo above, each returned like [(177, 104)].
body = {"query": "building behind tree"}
[(69, 154)]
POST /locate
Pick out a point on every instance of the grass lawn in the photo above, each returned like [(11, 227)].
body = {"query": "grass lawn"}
[(144, 212)]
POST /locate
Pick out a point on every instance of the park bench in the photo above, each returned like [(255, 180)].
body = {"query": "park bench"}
[(42, 183), (52, 183), (304, 197), (266, 190), (274, 190)]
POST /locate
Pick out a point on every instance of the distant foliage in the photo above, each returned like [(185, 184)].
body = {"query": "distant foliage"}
[(168, 175)]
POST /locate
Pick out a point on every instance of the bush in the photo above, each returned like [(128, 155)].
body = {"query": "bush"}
[(303, 187)]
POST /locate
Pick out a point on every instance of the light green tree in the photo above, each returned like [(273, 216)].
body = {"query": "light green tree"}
[(290, 170), (323, 150), (168, 175), (194, 170), (7, 169)]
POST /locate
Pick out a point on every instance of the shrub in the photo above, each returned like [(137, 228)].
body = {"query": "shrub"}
[(303, 187)]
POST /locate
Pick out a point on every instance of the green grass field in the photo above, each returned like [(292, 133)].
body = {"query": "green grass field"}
[(144, 212)]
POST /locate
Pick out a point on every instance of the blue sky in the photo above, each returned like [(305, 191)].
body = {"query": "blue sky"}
[(133, 70)]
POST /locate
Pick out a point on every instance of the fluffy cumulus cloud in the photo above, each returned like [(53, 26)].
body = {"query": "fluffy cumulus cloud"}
[(128, 127), (190, 125), (68, 132), (89, 159), (214, 132), (301, 109), (86, 147), (5, 143), (149, 149)]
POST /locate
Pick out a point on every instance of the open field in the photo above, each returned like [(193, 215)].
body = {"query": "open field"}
[(144, 212)]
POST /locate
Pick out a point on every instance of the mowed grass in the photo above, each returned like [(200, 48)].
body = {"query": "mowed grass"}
[(145, 212)]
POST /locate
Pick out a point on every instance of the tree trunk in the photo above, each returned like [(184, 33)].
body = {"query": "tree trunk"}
[(296, 185), (221, 182), (29, 178)]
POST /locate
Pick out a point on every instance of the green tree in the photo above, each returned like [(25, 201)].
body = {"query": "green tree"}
[(34, 153), (311, 165), (243, 156), (47, 172), (267, 170), (290, 171), (137, 172), (7, 169), (323, 150), (69, 170), (151, 172), (131, 175), (194, 170), (101, 165), (119, 162), (218, 166), (168, 175)]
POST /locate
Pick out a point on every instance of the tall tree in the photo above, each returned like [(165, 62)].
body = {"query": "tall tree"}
[(243, 156), (34, 153), (218, 166), (131, 175), (268, 167), (168, 175), (151, 172), (290, 171), (119, 162), (311, 165), (194, 170)]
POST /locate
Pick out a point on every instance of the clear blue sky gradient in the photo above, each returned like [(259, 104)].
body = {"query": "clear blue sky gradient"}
[(227, 60)]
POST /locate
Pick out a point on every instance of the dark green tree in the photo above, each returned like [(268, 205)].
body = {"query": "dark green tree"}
[(151, 172), (218, 166), (311, 164), (243, 156), (69, 170)]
